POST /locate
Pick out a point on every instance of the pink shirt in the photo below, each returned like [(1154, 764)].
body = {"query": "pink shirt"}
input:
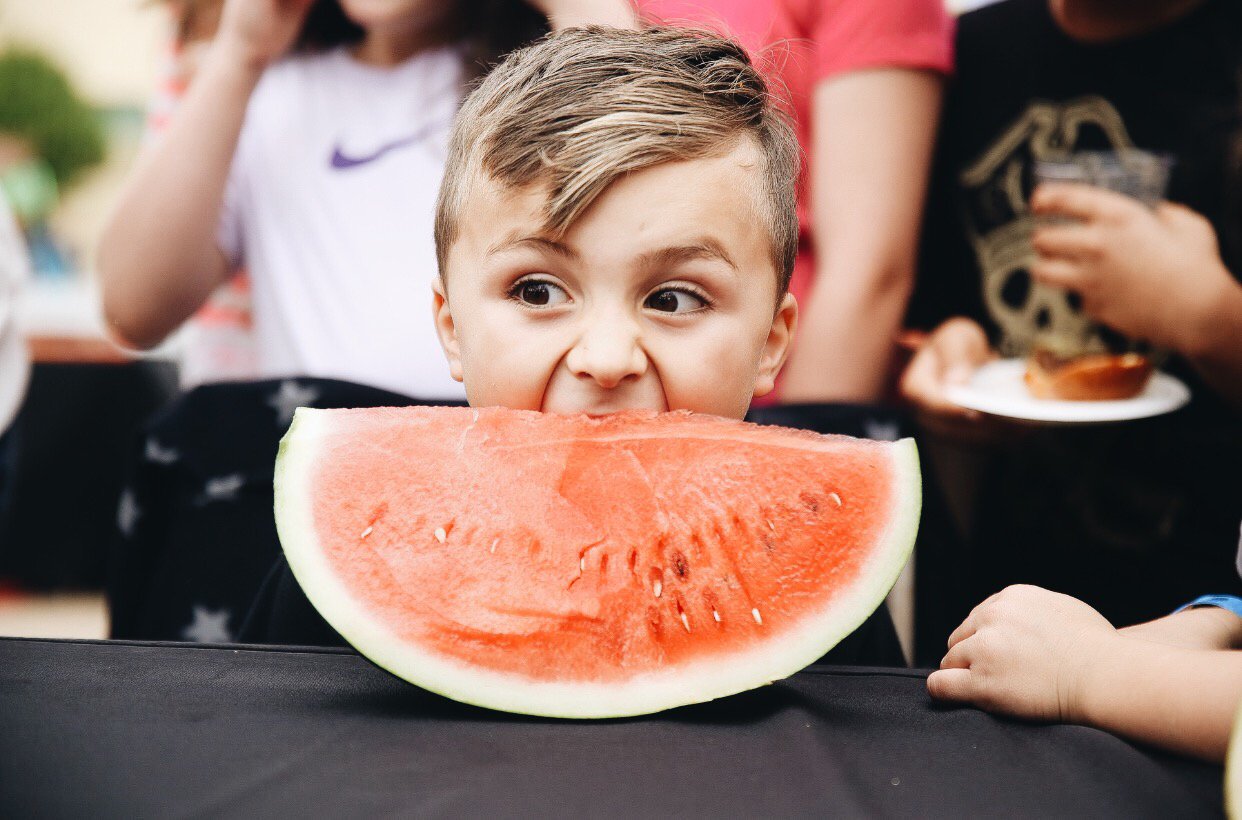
[(815, 40)]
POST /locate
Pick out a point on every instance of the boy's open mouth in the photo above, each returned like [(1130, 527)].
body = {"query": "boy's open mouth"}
[(598, 411), (598, 405)]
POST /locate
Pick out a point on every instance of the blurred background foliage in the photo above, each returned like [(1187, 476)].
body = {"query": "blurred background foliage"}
[(38, 105)]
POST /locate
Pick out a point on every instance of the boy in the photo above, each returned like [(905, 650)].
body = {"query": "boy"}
[(616, 230)]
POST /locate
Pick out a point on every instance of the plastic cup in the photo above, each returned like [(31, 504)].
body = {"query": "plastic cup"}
[(1138, 174), (1134, 173)]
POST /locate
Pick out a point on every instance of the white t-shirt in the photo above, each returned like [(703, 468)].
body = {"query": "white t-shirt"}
[(330, 205), (14, 357)]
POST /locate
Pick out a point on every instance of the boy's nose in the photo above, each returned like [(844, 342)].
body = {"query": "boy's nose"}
[(609, 354)]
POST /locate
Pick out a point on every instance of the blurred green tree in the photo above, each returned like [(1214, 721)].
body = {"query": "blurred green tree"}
[(38, 105)]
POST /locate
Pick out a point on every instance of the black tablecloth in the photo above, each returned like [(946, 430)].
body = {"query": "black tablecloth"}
[(105, 729)]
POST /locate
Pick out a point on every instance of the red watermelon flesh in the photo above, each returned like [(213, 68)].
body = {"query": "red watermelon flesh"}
[(589, 567)]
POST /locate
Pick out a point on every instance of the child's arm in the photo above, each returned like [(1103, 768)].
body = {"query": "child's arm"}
[(158, 259), (1205, 627), (1180, 699), (871, 153), (1030, 653)]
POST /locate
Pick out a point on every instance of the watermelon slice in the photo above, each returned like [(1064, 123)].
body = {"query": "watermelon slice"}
[(589, 567)]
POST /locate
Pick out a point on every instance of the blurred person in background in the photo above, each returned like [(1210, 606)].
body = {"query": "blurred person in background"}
[(49, 139), (865, 80), (14, 357), (309, 148), (1134, 517)]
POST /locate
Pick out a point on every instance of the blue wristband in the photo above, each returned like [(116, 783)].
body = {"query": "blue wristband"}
[(1230, 602)]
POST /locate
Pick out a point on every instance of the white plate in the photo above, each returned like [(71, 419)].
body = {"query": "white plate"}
[(997, 389)]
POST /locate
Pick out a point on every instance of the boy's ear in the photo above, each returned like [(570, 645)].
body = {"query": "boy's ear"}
[(776, 348), (446, 329)]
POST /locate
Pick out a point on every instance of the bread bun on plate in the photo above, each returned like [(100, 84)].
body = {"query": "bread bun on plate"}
[(1094, 377)]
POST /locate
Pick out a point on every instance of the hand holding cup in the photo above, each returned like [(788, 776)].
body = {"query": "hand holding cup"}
[(1150, 274)]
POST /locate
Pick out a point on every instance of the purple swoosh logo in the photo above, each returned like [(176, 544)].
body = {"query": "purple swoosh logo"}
[(341, 162)]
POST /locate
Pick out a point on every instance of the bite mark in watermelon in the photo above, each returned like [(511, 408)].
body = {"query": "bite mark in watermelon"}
[(589, 567)]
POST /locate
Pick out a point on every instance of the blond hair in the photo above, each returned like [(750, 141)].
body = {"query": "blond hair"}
[(581, 108)]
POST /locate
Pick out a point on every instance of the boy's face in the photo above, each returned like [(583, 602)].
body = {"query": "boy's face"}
[(660, 296)]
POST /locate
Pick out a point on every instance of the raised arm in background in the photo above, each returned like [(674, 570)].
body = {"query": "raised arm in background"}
[(158, 257)]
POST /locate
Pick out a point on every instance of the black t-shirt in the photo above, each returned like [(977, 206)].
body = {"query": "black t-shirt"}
[(1132, 517), (1024, 90)]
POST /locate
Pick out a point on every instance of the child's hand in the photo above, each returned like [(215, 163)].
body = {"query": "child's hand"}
[(949, 356), (1024, 652), (259, 31), (1206, 627), (1152, 275)]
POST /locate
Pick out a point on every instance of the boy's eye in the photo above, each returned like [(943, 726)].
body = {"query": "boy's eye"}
[(539, 294), (674, 301)]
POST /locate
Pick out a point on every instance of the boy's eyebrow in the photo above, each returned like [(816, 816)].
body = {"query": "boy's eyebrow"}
[(705, 248), (537, 242)]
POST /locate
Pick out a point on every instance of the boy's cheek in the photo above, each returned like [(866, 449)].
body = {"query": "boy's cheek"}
[(709, 390), (504, 374)]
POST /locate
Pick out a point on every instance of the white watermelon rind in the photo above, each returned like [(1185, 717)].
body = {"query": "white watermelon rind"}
[(653, 692)]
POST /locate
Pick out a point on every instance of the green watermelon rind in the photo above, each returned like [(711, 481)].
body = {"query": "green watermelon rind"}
[(678, 686)]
